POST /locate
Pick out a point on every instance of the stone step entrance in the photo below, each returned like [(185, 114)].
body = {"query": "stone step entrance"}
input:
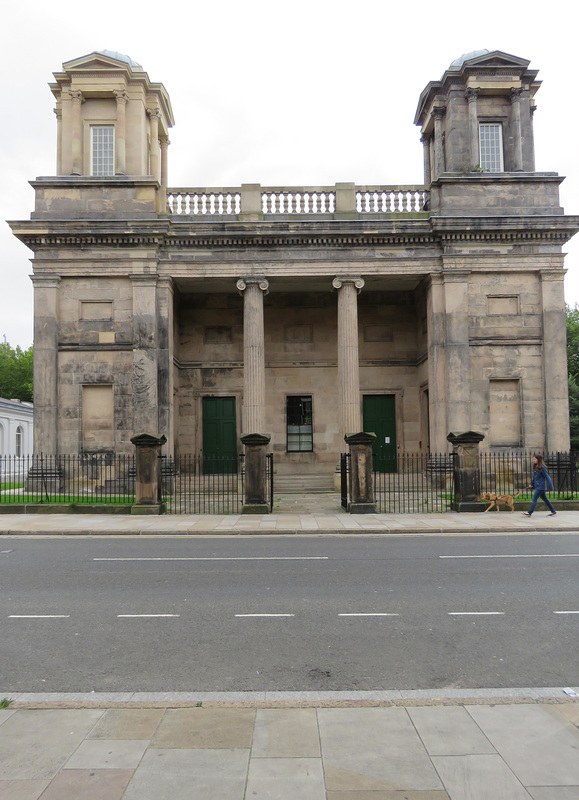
[(303, 484)]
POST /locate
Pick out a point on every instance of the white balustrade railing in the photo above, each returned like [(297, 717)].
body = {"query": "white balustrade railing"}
[(296, 200), (203, 202), (390, 199)]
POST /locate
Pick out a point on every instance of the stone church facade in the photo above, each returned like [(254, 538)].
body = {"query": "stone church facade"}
[(304, 313)]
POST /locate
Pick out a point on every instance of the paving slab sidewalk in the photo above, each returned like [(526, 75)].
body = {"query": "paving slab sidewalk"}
[(326, 522), (391, 752)]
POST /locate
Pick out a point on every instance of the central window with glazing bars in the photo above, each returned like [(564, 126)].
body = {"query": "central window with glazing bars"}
[(102, 150), (299, 424)]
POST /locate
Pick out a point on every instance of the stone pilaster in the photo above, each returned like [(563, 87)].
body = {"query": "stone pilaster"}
[(439, 112), (155, 156), (253, 415), (58, 112), (122, 99), (145, 354), (348, 362), (555, 362), (472, 95), (436, 319), (77, 100), (426, 139), (165, 360), (457, 351), (45, 365), (516, 128)]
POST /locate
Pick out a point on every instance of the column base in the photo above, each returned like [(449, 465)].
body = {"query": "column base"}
[(469, 506), (255, 508), (153, 508), (362, 508)]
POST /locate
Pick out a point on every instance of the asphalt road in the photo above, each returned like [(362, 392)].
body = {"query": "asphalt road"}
[(288, 613)]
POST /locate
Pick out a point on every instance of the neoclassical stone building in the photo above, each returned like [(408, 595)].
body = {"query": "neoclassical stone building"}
[(302, 312)]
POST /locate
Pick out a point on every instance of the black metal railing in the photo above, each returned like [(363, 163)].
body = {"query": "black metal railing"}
[(511, 471), (85, 478), (413, 483), (211, 484)]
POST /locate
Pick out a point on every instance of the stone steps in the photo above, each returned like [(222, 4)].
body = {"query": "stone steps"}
[(303, 484)]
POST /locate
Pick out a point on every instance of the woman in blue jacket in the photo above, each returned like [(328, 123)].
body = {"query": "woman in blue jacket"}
[(541, 481)]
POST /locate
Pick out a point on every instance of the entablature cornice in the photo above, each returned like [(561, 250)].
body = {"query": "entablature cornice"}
[(163, 234)]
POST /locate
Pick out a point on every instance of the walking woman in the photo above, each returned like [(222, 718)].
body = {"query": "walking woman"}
[(541, 481)]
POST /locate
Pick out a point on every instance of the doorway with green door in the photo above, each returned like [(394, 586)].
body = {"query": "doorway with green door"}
[(379, 417), (219, 436)]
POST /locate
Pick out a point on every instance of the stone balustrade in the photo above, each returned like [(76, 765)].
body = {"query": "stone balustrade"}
[(344, 199)]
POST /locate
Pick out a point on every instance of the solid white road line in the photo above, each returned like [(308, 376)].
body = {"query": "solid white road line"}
[(216, 558), (370, 614), (265, 615), (565, 612), (146, 616), (38, 616), (476, 613), (527, 555)]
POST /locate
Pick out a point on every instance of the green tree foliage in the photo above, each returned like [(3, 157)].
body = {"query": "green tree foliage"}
[(15, 372), (572, 315)]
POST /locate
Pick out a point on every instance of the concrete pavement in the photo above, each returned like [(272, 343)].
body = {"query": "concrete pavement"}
[(415, 751), (319, 515), (426, 745)]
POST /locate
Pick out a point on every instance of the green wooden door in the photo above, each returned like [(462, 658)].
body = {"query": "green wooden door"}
[(379, 415), (219, 436)]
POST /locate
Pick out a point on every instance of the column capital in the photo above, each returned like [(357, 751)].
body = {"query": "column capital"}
[(341, 280), (164, 140), (58, 112), (426, 138), (471, 94), (121, 96), (76, 96), (516, 94), (144, 280), (439, 112), (261, 283), (154, 113), (45, 281)]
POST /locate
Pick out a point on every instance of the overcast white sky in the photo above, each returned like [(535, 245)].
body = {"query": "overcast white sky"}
[(307, 92)]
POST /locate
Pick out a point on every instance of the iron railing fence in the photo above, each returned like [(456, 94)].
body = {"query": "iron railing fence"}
[(407, 483), (413, 483), (201, 484), (511, 471), (85, 478)]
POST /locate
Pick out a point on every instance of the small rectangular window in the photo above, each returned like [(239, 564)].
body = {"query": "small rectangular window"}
[(299, 425), (102, 150), (491, 146)]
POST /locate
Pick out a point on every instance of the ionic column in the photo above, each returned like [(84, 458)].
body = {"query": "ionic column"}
[(426, 152), (77, 100), (348, 362), (471, 95), (555, 362), (253, 415), (120, 132), (155, 164), (518, 136), (439, 112), (45, 365), (58, 112)]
